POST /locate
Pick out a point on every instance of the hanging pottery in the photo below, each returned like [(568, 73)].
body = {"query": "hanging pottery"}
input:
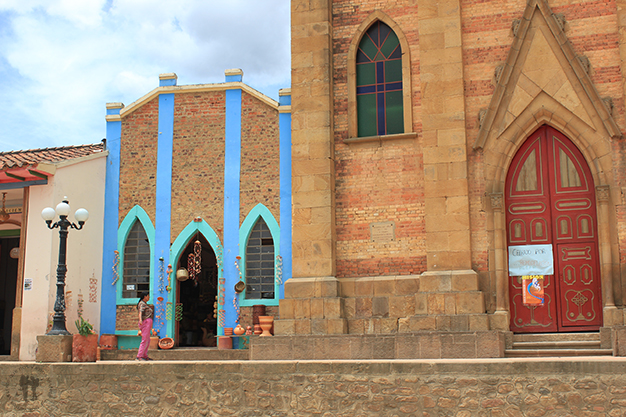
[(239, 287), (182, 274)]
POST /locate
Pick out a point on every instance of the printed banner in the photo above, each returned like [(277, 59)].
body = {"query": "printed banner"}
[(532, 290), (531, 260)]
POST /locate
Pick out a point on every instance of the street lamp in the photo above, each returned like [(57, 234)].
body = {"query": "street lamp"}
[(48, 214)]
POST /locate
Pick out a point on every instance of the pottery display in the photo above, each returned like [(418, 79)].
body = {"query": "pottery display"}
[(84, 348), (108, 342), (166, 343), (257, 329), (266, 323), (248, 330), (154, 342), (228, 331), (239, 330), (224, 342)]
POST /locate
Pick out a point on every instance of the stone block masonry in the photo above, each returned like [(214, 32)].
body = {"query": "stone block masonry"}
[(312, 388)]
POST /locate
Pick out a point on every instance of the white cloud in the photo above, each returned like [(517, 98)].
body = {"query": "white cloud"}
[(61, 61)]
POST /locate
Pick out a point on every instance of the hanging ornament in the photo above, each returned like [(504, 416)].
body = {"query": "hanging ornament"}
[(197, 253), (116, 263), (191, 266)]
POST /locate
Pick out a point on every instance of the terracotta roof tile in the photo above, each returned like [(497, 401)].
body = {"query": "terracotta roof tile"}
[(13, 159)]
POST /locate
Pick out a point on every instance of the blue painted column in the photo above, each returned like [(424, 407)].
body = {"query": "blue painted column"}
[(163, 194), (284, 102), (232, 174), (108, 307)]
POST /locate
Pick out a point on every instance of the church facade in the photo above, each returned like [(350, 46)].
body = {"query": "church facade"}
[(433, 143)]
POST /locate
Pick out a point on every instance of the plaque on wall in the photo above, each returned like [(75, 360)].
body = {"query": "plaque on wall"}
[(383, 231)]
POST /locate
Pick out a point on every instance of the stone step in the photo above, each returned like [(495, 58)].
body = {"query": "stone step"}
[(544, 337), (560, 344), (179, 354), (525, 353)]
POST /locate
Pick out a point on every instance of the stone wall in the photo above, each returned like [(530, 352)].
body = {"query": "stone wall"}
[(338, 388)]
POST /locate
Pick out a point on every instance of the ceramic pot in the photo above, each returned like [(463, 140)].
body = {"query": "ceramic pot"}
[(239, 330), (266, 324), (166, 343), (248, 330), (224, 342), (154, 342), (257, 329), (228, 331), (108, 342), (84, 348)]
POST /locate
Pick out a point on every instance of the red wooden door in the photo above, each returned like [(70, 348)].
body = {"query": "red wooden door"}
[(550, 199)]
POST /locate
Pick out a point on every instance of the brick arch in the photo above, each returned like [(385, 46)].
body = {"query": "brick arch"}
[(406, 71)]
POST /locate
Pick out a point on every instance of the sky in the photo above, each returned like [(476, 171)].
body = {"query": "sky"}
[(61, 61)]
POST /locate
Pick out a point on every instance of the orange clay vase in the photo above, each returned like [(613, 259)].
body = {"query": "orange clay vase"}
[(266, 324)]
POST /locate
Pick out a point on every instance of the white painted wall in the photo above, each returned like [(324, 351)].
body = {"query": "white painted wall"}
[(82, 181)]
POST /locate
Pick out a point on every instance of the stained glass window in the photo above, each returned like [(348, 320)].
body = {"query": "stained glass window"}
[(260, 262), (379, 82)]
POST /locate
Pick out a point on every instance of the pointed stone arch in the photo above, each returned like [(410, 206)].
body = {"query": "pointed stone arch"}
[(406, 71), (542, 62)]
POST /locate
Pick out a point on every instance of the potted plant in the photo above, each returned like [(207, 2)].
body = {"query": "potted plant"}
[(85, 343)]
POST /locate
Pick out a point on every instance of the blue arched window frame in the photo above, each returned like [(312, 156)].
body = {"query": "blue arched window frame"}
[(259, 211), (136, 214)]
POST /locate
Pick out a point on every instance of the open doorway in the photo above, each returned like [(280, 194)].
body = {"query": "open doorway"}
[(9, 250), (195, 296)]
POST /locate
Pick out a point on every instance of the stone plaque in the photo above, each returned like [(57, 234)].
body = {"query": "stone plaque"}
[(383, 231)]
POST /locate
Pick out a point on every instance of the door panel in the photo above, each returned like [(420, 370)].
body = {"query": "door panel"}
[(550, 200)]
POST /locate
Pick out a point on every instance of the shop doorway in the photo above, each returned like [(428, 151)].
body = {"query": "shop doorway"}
[(9, 249), (195, 324), (550, 200)]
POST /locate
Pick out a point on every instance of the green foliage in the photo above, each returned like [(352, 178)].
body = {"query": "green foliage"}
[(83, 326)]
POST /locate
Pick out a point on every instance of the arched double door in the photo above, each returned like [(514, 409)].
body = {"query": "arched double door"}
[(550, 200)]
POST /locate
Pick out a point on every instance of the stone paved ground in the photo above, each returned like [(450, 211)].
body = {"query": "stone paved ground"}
[(494, 387)]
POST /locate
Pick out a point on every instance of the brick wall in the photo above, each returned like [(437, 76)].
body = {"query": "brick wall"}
[(138, 151), (126, 317), (311, 388), (260, 158), (376, 182), (198, 160)]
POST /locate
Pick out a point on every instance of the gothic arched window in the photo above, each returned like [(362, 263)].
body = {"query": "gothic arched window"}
[(379, 82)]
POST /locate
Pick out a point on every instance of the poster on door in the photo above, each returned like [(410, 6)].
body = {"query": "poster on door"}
[(532, 290), (531, 260)]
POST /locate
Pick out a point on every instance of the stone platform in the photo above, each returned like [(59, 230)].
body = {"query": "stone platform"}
[(458, 387)]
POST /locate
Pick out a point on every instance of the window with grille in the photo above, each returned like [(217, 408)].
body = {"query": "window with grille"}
[(379, 82), (260, 262), (136, 262)]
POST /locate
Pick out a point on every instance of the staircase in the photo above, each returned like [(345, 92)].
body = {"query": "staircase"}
[(557, 344)]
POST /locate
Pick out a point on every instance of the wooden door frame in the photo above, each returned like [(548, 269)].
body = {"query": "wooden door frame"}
[(502, 162)]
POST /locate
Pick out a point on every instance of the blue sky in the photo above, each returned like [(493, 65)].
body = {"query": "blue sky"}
[(61, 61)]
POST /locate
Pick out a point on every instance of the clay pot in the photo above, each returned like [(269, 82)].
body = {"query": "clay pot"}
[(84, 348), (224, 342), (266, 323), (166, 343), (228, 331), (248, 330), (154, 342), (108, 342), (239, 330), (257, 329)]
